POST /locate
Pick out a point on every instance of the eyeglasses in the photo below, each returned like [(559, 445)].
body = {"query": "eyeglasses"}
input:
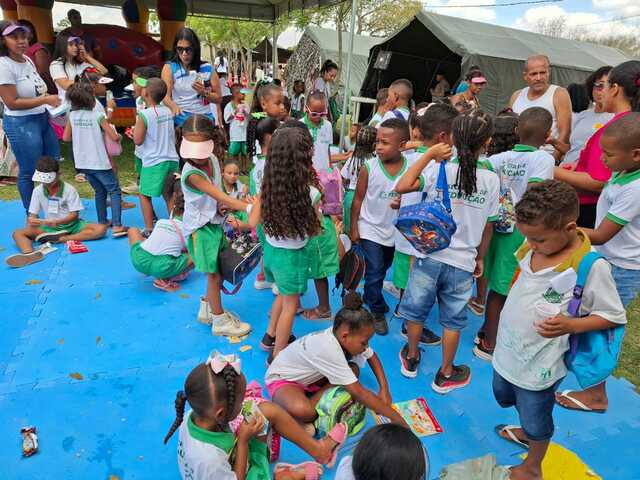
[(317, 114), (598, 86), (184, 49)]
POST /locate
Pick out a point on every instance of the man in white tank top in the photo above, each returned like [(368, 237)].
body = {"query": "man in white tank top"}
[(555, 99)]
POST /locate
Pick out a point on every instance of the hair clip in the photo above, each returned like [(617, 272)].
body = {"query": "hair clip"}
[(218, 362), (423, 110), (259, 115)]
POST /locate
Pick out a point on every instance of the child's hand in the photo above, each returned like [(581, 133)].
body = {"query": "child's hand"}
[(339, 225), (479, 270), (111, 104), (385, 396), (34, 222), (250, 429), (556, 326), (129, 132), (233, 221), (439, 152), (395, 203)]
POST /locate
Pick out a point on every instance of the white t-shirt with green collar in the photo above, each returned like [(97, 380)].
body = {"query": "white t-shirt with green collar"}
[(620, 203), (470, 212), (160, 136), (58, 206), (199, 208), (322, 139), (402, 111), (87, 137)]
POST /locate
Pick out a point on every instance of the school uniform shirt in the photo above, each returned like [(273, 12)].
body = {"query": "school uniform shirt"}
[(620, 203), (375, 120), (322, 139), (400, 112), (313, 357), (522, 356), (236, 191), (237, 117), (167, 238), (59, 206), (199, 208), (25, 77), (348, 174), (257, 173), (160, 138), (470, 212), (89, 151), (295, 243), (376, 215), (66, 70), (297, 102), (199, 458), (521, 166)]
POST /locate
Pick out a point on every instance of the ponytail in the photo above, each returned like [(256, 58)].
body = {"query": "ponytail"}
[(627, 76), (181, 400), (470, 133)]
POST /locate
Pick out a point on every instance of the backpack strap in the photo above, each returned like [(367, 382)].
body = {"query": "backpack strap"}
[(583, 272), (397, 114), (443, 185)]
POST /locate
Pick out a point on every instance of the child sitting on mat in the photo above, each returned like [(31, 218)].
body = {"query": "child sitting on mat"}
[(163, 254), (61, 205)]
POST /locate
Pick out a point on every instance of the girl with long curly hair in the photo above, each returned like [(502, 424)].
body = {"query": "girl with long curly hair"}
[(289, 209)]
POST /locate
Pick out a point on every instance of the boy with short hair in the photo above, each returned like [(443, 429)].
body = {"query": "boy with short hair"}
[(528, 360), (399, 98), (372, 216), (236, 114), (61, 205), (381, 107), (526, 164), (155, 137)]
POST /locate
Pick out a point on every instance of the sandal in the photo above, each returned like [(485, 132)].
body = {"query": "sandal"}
[(166, 285), (312, 470), (339, 435), (508, 430), (315, 314), (119, 233), (476, 307), (579, 406)]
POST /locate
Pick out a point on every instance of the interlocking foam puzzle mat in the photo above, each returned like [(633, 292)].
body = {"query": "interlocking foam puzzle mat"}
[(92, 355)]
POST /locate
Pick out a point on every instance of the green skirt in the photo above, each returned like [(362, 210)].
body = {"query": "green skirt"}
[(324, 260), (72, 227), (401, 267), (152, 178), (287, 268), (157, 266), (500, 262), (347, 201), (204, 246)]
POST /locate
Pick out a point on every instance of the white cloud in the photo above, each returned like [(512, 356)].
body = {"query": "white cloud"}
[(111, 16), (617, 8), (481, 14)]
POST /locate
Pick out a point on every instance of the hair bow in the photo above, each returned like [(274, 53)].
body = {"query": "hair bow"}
[(259, 115), (218, 362)]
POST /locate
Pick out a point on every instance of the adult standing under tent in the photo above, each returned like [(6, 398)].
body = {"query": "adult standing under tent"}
[(24, 95), (222, 68), (441, 87), (541, 93), (191, 83), (324, 83), (90, 43), (40, 56), (468, 100)]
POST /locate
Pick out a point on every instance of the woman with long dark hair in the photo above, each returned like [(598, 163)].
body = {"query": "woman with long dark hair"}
[(324, 83)]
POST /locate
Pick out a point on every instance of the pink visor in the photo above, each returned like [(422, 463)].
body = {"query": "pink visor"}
[(197, 150), (74, 39), (478, 80), (12, 28)]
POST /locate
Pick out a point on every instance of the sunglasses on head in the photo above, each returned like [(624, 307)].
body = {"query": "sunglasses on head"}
[(184, 49)]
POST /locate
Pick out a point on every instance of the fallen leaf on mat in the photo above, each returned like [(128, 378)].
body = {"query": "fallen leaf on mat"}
[(184, 295), (233, 339), (245, 348), (98, 340), (98, 296), (76, 375), (61, 341), (33, 282)]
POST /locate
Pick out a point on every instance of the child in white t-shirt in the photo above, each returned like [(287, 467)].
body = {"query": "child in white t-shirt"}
[(61, 205), (382, 98), (398, 100), (225, 435), (320, 129), (447, 275), (301, 373), (364, 150), (529, 359), (155, 139), (236, 114), (86, 129), (298, 100)]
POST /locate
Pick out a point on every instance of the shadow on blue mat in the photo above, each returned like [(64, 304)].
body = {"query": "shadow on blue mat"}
[(130, 346)]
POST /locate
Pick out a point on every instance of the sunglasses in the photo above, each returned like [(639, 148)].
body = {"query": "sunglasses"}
[(598, 85), (317, 114), (184, 49)]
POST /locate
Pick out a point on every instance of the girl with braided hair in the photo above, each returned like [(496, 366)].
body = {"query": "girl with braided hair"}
[(223, 436), (447, 275), (268, 102)]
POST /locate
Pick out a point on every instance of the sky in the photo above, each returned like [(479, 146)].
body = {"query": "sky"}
[(593, 15)]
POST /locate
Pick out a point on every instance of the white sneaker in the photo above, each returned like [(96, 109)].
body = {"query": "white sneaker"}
[(389, 287), (204, 313), (228, 325), (274, 290), (262, 284)]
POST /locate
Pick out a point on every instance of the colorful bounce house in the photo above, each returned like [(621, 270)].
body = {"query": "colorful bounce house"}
[(123, 49)]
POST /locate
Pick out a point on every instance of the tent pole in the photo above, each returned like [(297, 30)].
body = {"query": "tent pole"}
[(347, 92), (274, 51)]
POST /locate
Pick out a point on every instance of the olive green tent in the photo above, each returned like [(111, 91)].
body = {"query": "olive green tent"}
[(431, 42)]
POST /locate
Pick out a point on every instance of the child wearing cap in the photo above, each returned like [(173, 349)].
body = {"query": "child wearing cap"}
[(61, 205), (155, 139)]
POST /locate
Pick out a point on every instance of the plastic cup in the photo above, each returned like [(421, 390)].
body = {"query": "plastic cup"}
[(544, 311)]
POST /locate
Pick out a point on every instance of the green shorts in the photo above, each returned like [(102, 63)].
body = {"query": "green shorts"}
[(237, 148), (71, 227), (346, 209), (401, 267), (500, 262), (137, 165), (157, 266), (288, 268), (204, 246), (324, 260), (152, 178)]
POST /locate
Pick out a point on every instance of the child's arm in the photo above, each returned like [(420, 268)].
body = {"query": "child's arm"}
[(487, 233), (374, 402), (237, 224), (579, 180), (255, 216), (340, 157), (246, 432), (358, 198), (605, 232), (378, 371), (109, 130), (205, 186), (167, 77), (410, 181), (140, 130), (563, 325), (66, 135), (52, 222)]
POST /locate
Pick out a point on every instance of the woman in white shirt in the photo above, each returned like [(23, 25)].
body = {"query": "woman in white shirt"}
[(24, 95), (324, 83)]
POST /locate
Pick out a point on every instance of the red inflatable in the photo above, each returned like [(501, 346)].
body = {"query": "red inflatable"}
[(124, 47)]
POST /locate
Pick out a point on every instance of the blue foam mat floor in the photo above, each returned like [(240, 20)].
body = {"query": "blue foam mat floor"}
[(132, 345)]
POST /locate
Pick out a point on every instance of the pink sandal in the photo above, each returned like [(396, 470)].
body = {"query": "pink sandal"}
[(166, 285), (312, 470), (339, 435)]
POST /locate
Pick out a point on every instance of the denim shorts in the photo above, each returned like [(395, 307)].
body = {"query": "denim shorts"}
[(534, 408), (627, 283), (431, 280)]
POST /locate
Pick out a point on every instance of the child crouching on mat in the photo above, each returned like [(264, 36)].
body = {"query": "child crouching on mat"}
[(163, 254), (304, 370), (224, 436), (60, 203)]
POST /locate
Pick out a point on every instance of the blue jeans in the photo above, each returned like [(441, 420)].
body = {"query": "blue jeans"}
[(430, 280), (30, 137), (378, 258), (627, 283), (105, 183)]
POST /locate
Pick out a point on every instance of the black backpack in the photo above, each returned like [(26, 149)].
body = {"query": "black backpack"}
[(352, 268)]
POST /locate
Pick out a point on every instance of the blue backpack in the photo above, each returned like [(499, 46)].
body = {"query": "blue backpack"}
[(428, 226), (592, 356)]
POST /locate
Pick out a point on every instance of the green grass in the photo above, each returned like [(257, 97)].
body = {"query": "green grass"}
[(629, 359)]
